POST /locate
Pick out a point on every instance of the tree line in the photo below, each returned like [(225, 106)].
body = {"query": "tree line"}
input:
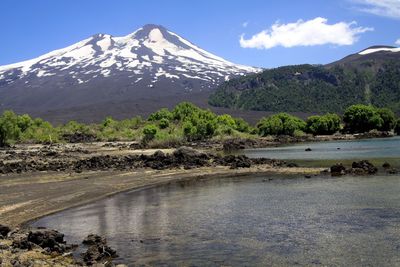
[(187, 122)]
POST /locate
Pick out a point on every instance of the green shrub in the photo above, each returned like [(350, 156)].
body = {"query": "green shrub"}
[(150, 132), (389, 119), (362, 118), (326, 124), (280, 124), (397, 128), (41, 132), (163, 113), (9, 129), (164, 123), (241, 125)]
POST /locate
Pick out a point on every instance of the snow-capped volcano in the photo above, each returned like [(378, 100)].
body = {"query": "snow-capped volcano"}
[(150, 53), (105, 75)]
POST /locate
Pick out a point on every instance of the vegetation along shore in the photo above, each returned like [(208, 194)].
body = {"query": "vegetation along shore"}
[(46, 168)]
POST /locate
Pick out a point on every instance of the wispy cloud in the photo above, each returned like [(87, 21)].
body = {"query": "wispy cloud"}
[(245, 24), (397, 42), (305, 33), (385, 8)]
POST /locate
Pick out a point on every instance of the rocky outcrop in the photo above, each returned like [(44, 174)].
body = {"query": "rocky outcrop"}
[(183, 157), (4, 230), (48, 247), (97, 251), (338, 169), (79, 137), (362, 167)]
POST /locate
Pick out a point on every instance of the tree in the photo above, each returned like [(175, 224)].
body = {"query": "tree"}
[(241, 125), (389, 119), (362, 118), (184, 110), (24, 122), (9, 130), (397, 128), (280, 124), (326, 124)]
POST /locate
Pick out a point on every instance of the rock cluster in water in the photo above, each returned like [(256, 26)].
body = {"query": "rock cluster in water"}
[(362, 167)]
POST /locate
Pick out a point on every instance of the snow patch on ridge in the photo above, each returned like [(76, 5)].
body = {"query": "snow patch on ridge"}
[(379, 49)]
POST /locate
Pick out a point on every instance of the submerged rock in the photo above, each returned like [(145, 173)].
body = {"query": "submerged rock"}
[(363, 166)]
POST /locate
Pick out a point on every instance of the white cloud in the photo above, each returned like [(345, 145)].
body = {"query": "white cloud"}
[(386, 8), (305, 33), (245, 24), (397, 42)]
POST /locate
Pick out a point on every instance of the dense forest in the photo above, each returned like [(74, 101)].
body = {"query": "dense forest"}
[(310, 88)]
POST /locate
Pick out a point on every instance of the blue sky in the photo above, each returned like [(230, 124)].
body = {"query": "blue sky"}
[(32, 28)]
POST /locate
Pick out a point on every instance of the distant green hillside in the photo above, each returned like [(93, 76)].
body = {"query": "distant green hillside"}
[(309, 88)]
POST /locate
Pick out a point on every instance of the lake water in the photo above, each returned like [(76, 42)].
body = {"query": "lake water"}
[(251, 221), (378, 151)]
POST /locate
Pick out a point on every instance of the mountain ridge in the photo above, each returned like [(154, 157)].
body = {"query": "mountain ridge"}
[(370, 76), (152, 63)]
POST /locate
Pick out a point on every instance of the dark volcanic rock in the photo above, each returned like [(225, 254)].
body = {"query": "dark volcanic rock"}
[(392, 171), (363, 166), (97, 251), (386, 165), (93, 239), (20, 241), (79, 137), (235, 162), (45, 238), (183, 157), (338, 169), (238, 143), (4, 230)]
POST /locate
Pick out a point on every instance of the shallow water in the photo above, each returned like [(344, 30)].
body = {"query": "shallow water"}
[(251, 221), (325, 154), (333, 150)]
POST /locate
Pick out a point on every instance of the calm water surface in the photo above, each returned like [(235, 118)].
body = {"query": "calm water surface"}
[(355, 149), (254, 221), (347, 221)]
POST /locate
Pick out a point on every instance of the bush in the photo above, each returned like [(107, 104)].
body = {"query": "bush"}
[(389, 119), (326, 124), (280, 124), (41, 132), (150, 132), (242, 126), (362, 118), (9, 130), (164, 123), (163, 113), (397, 128), (184, 110)]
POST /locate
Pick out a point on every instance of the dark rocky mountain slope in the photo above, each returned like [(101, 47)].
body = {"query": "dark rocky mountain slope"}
[(371, 76)]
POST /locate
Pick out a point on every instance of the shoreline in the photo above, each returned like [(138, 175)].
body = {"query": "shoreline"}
[(37, 204)]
